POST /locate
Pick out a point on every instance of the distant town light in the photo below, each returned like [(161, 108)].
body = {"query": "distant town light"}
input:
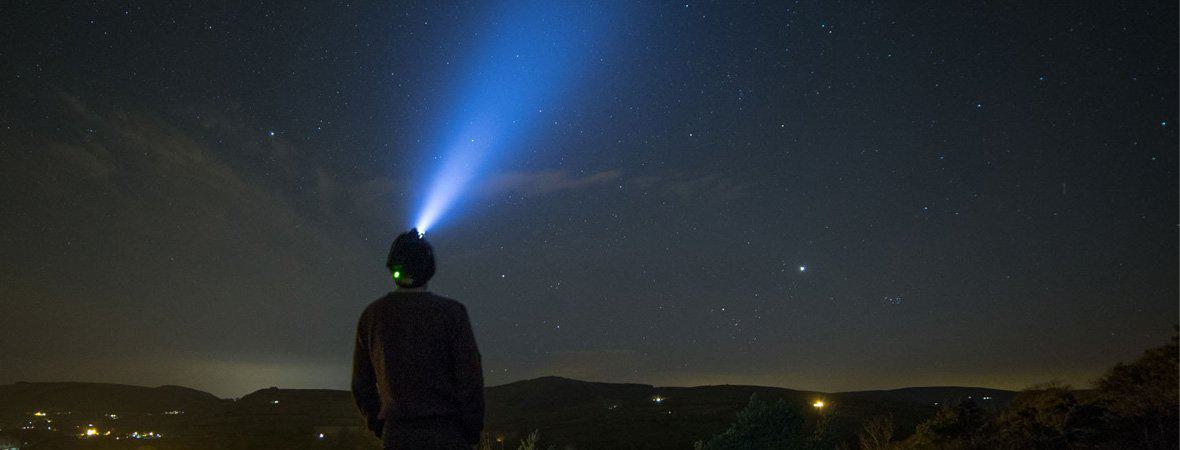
[(658, 399), (320, 436), (91, 432), (274, 402), (39, 414), (818, 404), (145, 435)]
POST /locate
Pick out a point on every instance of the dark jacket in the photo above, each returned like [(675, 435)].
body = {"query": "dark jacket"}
[(416, 366)]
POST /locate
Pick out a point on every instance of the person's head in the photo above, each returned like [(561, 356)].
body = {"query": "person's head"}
[(411, 260)]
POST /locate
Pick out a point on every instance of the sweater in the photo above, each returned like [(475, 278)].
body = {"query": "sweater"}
[(416, 362)]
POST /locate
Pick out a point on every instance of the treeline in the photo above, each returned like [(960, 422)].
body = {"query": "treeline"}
[(1134, 405)]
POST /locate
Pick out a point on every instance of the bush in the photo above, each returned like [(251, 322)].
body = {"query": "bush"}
[(953, 427), (762, 425), (877, 434), (1049, 416), (1143, 399)]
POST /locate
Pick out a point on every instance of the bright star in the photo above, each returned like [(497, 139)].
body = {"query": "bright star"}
[(802, 268)]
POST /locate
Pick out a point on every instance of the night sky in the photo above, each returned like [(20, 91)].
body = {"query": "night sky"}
[(814, 195)]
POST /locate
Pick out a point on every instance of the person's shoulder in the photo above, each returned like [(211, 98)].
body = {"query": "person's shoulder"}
[(374, 305), (447, 303)]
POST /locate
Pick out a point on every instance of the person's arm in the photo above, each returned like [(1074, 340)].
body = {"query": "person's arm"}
[(364, 381), (468, 373)]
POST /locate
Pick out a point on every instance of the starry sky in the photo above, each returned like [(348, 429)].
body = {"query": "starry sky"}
[(814, 195)]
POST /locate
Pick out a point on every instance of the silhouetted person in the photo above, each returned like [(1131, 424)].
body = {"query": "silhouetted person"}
[(416, 373)]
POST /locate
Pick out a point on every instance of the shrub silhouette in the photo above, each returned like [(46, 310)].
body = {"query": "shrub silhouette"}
[(1141, 399), (1049, 416), (953, 427), (877, 434), (762, 425)]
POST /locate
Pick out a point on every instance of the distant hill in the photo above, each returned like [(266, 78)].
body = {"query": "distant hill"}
[(566, 411), (102, 398), (937, 395), (610, 415)]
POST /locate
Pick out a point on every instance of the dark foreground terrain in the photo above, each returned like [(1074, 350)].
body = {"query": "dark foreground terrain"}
[(567, 412), (1134, 405)]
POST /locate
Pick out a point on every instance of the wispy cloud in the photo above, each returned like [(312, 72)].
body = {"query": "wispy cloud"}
[(548, 181), (164, 235), (709, 187)]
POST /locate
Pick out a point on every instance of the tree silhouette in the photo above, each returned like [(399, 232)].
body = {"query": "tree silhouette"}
[(877, 434), (953, 427), (1134, 405), (1049, 416), (762, 425), (1142, 397)]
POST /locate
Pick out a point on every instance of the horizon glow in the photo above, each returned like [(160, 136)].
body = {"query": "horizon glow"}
[(526, 62)]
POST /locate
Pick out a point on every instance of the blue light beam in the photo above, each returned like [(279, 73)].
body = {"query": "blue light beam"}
[(528, 59)]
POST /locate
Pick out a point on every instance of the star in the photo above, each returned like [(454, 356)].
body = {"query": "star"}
[(802, 268)]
